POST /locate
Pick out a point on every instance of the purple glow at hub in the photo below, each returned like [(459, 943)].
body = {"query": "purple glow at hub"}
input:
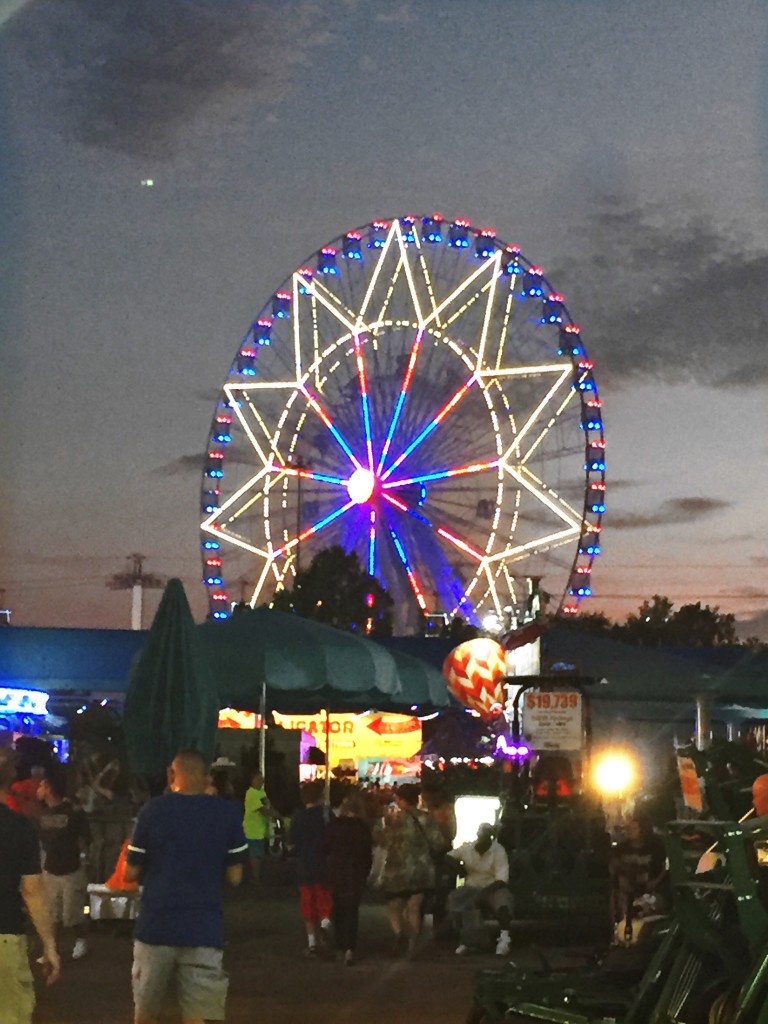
[(506, 747)]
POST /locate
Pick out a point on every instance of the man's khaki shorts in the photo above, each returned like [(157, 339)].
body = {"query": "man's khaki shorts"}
[(194, 972), (16, 987), (67, 897)]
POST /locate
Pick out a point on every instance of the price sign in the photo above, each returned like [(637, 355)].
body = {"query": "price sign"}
[(553, 719)]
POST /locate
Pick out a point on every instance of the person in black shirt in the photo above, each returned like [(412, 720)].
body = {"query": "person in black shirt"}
[(309, 839), (64, 835), (349, 864), (638, 867), (21, 886)]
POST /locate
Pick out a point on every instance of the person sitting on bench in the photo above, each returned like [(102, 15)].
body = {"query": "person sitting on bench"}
[(485, 889)]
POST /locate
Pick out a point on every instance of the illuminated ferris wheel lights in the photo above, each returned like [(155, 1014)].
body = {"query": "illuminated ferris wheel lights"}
[(433, 231), (593, 550), (360, 486), (262, 331), (395, 501), (281, 306), (485, 246), (305, 279), (379, 230), (552, 308), (326, 261), (461, 544), (458, 233), (396, 293), (351, 246)]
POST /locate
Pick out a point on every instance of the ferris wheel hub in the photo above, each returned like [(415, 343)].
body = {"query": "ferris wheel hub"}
[(360, 486)]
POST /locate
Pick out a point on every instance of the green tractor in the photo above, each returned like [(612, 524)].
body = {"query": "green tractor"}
[(707, 961)]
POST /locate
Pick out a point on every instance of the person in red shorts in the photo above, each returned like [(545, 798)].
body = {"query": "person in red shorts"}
[(309, 839)]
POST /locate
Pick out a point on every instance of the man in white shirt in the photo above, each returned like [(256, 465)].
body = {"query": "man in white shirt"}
[(485, 889)]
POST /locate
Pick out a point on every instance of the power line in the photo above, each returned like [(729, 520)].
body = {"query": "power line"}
[(699, 597)]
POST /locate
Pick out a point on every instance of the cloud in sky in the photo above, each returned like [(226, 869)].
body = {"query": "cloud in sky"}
[(673, 511), (754, 625), (131, 76), (184, 464), (666, 295), (400, 15)]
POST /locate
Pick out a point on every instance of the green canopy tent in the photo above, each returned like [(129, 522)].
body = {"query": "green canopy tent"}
[(423, 687), (172, 701), (307, 666)]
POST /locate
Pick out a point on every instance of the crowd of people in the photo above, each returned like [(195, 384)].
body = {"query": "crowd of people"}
[(187, 843)]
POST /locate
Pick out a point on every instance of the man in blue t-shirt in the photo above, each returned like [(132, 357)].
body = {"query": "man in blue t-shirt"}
[(184, 845)]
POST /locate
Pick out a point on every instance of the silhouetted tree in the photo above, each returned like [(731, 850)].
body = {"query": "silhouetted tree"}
[(458, 630), (337, 590), (657, 623)]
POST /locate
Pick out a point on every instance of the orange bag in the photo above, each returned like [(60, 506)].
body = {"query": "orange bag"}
[(117, 879)]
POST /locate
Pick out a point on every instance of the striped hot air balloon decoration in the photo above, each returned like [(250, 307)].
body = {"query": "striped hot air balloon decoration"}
[(474, 672)]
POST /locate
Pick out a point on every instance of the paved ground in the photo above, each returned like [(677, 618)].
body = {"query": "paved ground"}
[(272, 982)]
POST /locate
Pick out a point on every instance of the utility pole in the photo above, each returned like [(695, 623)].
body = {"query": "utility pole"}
[(137, 581)]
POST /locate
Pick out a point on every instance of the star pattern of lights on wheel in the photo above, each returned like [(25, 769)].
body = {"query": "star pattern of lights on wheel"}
[(376, 465)]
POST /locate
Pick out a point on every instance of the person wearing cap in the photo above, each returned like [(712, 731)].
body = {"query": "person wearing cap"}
[(485, 889)]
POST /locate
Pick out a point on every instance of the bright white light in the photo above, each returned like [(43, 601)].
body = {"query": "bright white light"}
[(27, 702), (147, 182), (360, 486), (471, 812), (615, 773)]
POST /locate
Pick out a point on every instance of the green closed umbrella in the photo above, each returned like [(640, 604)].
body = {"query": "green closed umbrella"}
[(172, 702)]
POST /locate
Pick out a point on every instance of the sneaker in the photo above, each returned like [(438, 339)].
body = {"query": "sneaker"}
[(349, 958), (462, 950), (310, 951), (81, 948)]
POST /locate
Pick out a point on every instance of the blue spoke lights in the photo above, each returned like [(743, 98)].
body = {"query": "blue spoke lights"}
[(416, 391)]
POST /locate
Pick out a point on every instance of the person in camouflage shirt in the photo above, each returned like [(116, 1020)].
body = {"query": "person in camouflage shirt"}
[(413, 843)]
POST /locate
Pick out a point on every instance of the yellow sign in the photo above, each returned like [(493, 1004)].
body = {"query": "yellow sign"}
[(230, 718), (356, 736)]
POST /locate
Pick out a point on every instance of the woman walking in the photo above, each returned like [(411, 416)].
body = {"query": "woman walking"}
[(412, 841)]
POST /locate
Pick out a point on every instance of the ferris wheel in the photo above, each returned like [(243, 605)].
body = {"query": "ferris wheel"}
[(415, 392)]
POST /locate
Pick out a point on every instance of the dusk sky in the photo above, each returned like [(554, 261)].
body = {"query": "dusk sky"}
[(622, 145)]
